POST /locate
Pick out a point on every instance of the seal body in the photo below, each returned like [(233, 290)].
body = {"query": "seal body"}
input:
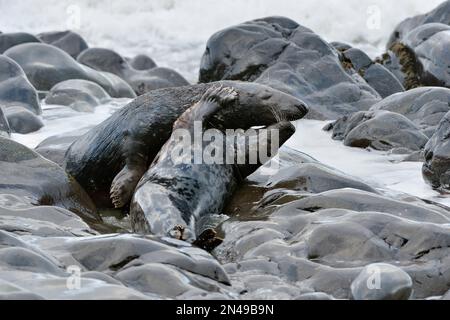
[(175, 194), (115, 155)]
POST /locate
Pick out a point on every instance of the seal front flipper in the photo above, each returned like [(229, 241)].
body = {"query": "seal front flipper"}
[(124, 184)]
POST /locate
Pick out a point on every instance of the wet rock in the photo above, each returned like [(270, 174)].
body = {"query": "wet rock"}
[(314, 178), (43, 221), (424, 106), (142, 62), (375, 74), (46, 65), (441, 14), (9, 40), (280, 53), (22, 120), (69, 41), (314, 296), (20, 259), (436, 169), (381, 130), (54, 148), (157, 279), (382, 282), (80, 95), (40, 182), (142, 81), (419, 57), (15, 89)]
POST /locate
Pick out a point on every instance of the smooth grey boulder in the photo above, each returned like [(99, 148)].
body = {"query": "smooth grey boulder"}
[(440, 14), (381, 130), (22, 120), (280, 53), (375, 74), (142, 62), (423, 106), (142, 81), (69, 41), (9, 40), (80, 95), (39, 181), (46, 66), (382, 282), (418, 56), (15, 89), (436, 169)]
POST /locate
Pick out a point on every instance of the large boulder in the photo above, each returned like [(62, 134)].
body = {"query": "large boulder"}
[(142, 81), (425, 107), (441, 14), (280, 53), (69, 41), (15, 89), (142, 62), (436, 169), (22, 120), (40, 182), (9, 40), (80, 95), (375, 74), (46, 65), (381, 130)]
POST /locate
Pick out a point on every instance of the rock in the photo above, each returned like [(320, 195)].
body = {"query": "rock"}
[(5, 130), (9, 40), (47, 66), (420, 56), (278, 52), (69, 41), (368, 202), (382, 282), (441, 14), (431, 45), (80, 95), (15, 259), (42, 221), (22, 120), (142, 81), (54, 148), (142, 62), (381, 130), (436, 169), (376, 75), (15, 89), (425, 107), (315, 296), (157, 279), (41, 182)]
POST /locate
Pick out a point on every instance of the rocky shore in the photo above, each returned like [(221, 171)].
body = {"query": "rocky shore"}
[(306, 231)]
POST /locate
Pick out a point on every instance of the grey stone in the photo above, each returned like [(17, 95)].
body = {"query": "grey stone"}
[(46, 66), (382, 282)]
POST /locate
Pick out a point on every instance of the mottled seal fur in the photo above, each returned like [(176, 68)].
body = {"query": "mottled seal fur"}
[(173, 195)]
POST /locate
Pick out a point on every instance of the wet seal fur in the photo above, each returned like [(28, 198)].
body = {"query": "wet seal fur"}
[(110, 159), (174, 194)]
